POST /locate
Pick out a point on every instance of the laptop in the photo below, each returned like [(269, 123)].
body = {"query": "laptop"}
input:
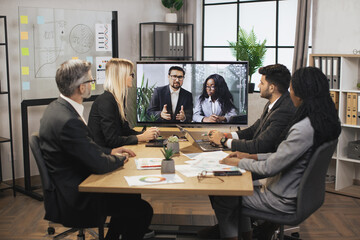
[(204, 145)]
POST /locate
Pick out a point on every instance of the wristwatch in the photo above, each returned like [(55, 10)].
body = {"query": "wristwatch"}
[(223, 141)]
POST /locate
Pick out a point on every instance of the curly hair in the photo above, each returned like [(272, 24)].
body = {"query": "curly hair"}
[(222, 93), (312, 86)]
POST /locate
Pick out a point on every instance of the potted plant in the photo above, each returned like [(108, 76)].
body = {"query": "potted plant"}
[(247, 48), (167, 164), (173, 5), (144, 93), (173, 143)]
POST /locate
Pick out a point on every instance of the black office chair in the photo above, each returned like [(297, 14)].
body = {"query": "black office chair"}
[(311, 192), (49, 187)]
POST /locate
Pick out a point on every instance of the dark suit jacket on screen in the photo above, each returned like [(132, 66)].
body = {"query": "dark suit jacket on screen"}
[(71, 155), (162, 96), (262, 136), (106, 125)]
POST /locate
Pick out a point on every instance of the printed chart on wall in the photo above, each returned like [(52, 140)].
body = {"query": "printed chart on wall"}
[(49, 37)]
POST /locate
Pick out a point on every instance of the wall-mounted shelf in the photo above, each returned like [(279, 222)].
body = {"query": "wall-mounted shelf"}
[(166, 41)]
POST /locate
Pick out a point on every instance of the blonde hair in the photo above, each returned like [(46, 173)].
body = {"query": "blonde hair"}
[(116, 72)]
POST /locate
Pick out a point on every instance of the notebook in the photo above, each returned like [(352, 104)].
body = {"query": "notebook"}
[(204, 145)]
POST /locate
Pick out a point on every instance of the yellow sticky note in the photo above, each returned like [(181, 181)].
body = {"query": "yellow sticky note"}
[(24, 35), (93, 86), (75, 58), (25, 70), (25, 51), (24, 19)]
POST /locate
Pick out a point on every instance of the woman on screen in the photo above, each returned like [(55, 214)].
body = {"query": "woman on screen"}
[(314, 123), (107, 119), (215, 103)]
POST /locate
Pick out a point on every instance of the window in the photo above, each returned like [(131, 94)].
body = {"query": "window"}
[(273, 20)]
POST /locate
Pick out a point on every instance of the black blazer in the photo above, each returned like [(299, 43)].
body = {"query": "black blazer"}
[(70, 156), (262, 136), (162, 96), (106, 125)]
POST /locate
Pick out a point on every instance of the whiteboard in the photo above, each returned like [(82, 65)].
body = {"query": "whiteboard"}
[(49, 37)]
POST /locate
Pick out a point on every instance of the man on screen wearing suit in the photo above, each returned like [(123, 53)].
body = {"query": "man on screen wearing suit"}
[(71, 156), (172, 103)]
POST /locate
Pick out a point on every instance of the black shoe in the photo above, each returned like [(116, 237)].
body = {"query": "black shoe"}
[(212, 232), (149, 234), (265, 231)]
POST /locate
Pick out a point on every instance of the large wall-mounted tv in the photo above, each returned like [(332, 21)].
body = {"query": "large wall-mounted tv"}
[(206, 93)]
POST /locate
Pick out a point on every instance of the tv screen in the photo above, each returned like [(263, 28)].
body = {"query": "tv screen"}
[(192, 93)]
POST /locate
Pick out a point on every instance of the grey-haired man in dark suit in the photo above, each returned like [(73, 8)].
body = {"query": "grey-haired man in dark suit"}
[(71, 156)]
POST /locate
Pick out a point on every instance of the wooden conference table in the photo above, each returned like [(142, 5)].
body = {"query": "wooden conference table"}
[(115, 182)]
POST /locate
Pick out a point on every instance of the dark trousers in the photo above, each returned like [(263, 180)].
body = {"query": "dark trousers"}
[(130, 216)]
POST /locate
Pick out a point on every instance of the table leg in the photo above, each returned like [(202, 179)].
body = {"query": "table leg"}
[(240, 218)]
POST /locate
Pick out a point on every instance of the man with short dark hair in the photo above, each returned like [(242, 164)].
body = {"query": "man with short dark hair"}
[(71, 156), (262, 136), (172, 103)]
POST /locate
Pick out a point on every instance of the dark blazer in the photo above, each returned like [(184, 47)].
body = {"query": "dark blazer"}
[(106, 125), (262, 136), (162, 96), (70, 156)]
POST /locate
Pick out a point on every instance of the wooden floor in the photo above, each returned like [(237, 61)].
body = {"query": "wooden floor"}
[(339, 218)]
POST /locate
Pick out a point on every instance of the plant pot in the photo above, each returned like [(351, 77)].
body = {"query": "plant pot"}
[(171, 17), (251, 87), (168, 166), (174, 146)]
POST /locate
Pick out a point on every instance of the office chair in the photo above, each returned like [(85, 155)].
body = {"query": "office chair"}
[(48, 187), (311, 192)]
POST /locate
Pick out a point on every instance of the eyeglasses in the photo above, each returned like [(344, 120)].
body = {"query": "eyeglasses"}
[(177, 77), (201, 176), (210, 87), (132, 75), (92, 81)]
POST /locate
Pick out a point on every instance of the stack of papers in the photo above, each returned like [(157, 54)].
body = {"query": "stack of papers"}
[(208, 161)]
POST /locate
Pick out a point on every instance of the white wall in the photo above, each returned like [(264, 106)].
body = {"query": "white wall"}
[(336, 26), (130, 14)]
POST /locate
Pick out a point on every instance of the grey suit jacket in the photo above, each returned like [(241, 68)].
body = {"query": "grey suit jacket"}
[(286, 166), (262, 136)]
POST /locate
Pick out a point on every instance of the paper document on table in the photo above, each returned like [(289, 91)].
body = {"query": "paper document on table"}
[(188, 170), (191, 155), (148, 163), (209, 161), (153, 179)]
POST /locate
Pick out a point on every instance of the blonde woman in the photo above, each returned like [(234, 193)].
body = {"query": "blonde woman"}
[(107, 120)]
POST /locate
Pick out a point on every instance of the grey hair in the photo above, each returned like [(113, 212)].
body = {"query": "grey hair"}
[(70, 75)]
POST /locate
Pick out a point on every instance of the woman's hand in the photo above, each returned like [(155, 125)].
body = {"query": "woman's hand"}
[(149, 134), (212, 118), (230, 161), (239, 155)]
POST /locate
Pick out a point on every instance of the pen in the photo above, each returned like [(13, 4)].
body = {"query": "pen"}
[(150, 166)]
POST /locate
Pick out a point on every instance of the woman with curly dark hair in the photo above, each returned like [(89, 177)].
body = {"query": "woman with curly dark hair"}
[(314, 123), (215, 103)]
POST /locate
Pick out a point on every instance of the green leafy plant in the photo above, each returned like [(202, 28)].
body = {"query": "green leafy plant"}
[(168, 153), (143, 97), (247, 48), (173, 5), (173, 139)]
